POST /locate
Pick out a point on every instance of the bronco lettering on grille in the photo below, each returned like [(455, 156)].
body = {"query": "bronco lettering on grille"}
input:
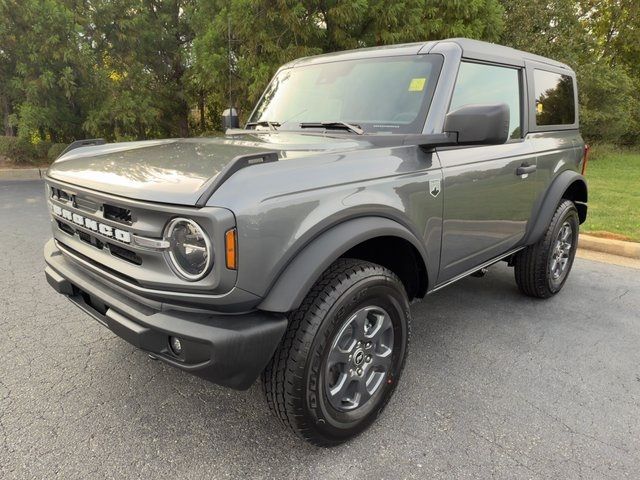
[(93, 225)]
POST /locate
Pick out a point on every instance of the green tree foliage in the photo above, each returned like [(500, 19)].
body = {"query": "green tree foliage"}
[(267, 34), (143, 48), (132, 69), (600, 39), (45, 74), (616, 25)]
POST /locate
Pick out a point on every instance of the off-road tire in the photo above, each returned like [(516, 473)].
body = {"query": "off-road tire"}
[(293, 380), (532, 265)]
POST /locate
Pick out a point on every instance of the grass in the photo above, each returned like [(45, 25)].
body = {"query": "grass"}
[(614, 194)]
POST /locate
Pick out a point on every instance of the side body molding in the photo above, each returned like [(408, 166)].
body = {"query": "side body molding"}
[(545, 208), (302, 272)]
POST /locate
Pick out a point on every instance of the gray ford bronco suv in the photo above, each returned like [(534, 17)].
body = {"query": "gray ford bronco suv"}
[(291, 248)]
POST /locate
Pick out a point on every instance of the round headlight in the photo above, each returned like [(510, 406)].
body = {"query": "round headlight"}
[(190, 249)]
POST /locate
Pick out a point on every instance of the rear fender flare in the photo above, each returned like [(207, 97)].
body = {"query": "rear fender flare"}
[(303, 271), (546, 207)]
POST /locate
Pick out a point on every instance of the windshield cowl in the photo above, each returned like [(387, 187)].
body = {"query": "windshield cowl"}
[(334, 126)]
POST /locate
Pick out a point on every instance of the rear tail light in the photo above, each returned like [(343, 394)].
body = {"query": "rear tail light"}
[(585, 159)]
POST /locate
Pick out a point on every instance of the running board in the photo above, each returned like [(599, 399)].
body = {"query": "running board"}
[(475, 269)]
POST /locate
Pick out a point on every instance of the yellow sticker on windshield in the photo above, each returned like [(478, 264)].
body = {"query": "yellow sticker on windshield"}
[(417, 84)]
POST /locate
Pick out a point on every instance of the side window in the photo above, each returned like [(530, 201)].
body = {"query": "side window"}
[(555, 102), (478, 83)]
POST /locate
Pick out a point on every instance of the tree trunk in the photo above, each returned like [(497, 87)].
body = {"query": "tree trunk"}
[(203, 127), (9, 131), (183, 120)]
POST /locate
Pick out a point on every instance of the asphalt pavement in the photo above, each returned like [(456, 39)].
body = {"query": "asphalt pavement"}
[(496, 385)]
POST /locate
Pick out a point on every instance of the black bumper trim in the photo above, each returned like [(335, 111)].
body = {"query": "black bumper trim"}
[(229, 350)]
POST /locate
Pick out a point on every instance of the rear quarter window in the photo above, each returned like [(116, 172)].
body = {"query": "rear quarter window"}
[(555, 99)]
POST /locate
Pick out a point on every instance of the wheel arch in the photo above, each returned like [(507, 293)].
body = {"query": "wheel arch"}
[(577, 193), (374, 239), (568, 185)]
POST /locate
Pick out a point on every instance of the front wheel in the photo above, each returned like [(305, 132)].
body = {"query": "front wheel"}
[(542, 269), (342, 355)]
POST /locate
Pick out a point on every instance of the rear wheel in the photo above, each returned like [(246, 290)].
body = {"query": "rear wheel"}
[(342, 355), (542, 269)]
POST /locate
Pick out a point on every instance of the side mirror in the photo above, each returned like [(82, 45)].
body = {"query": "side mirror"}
[(479, 124), (230, 119)]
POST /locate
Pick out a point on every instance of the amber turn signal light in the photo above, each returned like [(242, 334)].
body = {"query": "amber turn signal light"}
[(231, 249)]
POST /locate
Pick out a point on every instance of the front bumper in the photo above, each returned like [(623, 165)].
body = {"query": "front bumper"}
[(229, 350)]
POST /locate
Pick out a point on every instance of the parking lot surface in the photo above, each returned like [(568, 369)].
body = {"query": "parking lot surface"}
[(496, 385)]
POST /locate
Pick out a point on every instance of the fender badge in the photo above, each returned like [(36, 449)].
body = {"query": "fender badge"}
[(434, 187)]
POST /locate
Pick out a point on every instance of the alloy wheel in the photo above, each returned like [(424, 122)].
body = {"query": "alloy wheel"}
[(360, 358), (561, 251)]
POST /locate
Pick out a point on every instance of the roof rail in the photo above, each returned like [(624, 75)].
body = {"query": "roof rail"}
[(238, 163), (83, 143)]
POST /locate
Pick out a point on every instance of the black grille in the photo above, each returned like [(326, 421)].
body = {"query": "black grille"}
[(116, 251), (66, 228), (124, 254), (60, 194), (85, 237), (117, 214)]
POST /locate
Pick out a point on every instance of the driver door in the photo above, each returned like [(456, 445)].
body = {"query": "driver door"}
[(487, 197)]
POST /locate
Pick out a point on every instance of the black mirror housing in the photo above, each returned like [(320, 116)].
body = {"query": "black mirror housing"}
[(479, 124), (230, 119)]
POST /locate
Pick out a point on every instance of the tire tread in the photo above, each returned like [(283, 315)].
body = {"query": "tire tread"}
[(531, 263), (284, 398)]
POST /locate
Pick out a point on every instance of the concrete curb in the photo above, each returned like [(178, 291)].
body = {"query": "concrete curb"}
[(22, 173), (612, 247)]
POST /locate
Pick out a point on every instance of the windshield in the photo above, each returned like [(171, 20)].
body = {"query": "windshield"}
[(379, 95)]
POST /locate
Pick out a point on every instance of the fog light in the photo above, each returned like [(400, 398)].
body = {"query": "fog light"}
[(176, 345)]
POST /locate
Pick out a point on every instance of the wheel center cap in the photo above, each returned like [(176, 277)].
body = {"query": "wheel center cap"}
[(358, 357)]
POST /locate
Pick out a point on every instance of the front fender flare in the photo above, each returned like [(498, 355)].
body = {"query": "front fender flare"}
[(303, 271)]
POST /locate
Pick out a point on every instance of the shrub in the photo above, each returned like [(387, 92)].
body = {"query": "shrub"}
[(17, 150), (603, 150), (55, 150), (42, 149), (608, 105), (600, 150)]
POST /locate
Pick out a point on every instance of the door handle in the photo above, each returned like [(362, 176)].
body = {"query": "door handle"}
[(525, 168)]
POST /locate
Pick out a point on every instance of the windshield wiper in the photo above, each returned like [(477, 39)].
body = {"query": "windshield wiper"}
[(265, 123), (334, 126)]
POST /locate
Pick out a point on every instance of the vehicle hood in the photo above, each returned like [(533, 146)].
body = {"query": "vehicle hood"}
[(177, 171)]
